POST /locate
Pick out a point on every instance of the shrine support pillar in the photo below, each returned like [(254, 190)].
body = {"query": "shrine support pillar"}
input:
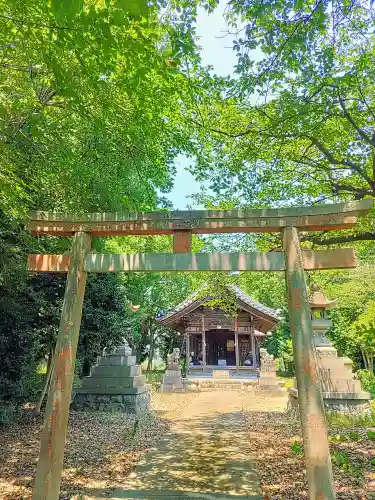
[(187, 351), (253, 345), (236, 348), (203, 343), (310, 398)]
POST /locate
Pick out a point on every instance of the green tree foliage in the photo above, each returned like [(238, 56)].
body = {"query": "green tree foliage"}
[(363, 331), (105, 317), (91, 99), (92, 94), (155, 293), (297, 126)]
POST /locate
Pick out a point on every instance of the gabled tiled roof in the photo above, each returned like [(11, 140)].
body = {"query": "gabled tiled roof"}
[(240, 295)]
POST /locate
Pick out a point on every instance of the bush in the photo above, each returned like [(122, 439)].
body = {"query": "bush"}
[(8, 414), (154, 377), (367, 379)]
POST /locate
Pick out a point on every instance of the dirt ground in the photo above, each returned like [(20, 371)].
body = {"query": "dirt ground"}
[(282, 470), (103, 449), (279, 452), (100, 450)]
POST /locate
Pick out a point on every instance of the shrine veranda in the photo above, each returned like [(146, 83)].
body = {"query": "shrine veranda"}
[(293, 260)]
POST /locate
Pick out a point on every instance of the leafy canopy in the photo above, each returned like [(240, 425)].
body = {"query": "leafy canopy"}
[(297, 124), (90, 96)]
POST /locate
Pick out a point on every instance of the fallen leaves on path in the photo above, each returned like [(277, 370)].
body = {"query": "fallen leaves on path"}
[(101, 448)]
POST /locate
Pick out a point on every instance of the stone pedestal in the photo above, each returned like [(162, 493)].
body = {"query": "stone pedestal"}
[(267, 374), (116, 383), (172, 380)]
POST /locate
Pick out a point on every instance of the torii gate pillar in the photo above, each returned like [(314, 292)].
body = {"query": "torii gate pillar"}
[(310, 397), (48, 475)]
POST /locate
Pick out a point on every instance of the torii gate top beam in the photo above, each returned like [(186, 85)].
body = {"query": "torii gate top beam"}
[(265, 220)]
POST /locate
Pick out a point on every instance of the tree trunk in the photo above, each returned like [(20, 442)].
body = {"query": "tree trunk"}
[(152, 348), (46, 381), (365, 359), (86, 365), (369, 361), (282, 363)]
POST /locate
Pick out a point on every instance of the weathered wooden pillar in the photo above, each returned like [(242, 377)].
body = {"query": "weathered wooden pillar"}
[(50, 462), (236, 350), (253, 346), (187, 351), (311, 409), (203, 342)]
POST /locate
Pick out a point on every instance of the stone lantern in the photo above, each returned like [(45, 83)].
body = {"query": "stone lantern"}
[(340, 390), (321, 324)]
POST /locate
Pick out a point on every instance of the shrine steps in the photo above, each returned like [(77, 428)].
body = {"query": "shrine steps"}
[(210, 384)]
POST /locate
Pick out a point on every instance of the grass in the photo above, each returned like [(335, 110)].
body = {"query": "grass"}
[(342, 438), (348, 421), (289, 381), (297, 449)]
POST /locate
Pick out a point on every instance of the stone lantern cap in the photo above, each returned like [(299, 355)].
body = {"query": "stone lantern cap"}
[(258, 334), (317, 299)]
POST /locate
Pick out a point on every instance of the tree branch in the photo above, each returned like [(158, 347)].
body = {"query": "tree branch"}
[(41, 25), (350, 119), (359, 193), (336, 240), (364, 99), (222, 132), (354, 166)]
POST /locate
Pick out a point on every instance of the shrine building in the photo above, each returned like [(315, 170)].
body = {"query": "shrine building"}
[(215, 340)]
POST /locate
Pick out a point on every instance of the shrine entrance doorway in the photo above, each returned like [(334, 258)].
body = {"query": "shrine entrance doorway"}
[(221, 348)]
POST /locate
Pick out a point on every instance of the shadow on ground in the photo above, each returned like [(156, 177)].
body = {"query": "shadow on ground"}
[(169, 495), (206, 456)]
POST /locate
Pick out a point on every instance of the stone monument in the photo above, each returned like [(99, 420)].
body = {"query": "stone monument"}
[(172, 380), (115, 383), (341, 392), (267, 372)]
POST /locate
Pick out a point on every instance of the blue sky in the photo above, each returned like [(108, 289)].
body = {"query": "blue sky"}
[(217, 52)]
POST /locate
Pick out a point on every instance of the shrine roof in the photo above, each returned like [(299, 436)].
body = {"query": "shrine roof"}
[(196, 300)]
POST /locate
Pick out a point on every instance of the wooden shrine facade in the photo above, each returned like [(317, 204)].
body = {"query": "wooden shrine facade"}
[(293, 260), (215, 340)]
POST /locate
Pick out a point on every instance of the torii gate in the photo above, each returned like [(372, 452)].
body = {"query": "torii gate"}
[(182, 224)]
